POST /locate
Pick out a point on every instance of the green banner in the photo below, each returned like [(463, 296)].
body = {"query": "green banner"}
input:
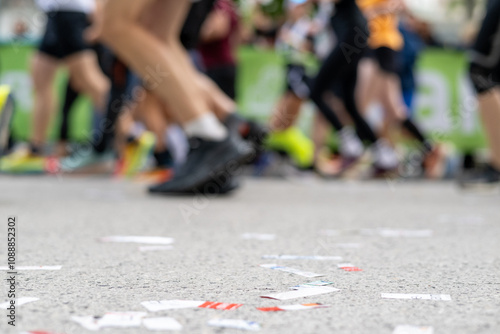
[(14, 71), (445, 103)]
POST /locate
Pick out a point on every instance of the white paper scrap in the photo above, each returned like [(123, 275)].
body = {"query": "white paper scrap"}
[(408, 329), (161, 324), (348, 245), (154, 248), (258, 236), (138, 239), (310, 285), (32, 268), (314, 291), (392, 233), (299, 307), (415, 296), (235, 324), (111, 319), (291, 270), (155, 306), (303, 257), (19, 302)]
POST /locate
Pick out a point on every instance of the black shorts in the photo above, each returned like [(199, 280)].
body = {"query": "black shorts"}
[(64, 34), (297, 81), (190, 33), (387, 59), (225, 77), (486, 50)]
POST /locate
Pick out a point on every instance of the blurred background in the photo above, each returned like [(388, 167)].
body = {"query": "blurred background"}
[(444, 105)]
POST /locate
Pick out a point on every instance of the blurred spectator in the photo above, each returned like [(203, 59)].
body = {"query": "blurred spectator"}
[(20, 30), (265, 28), (219, 38)]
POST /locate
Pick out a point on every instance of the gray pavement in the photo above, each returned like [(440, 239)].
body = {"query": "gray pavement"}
[(60, 221)]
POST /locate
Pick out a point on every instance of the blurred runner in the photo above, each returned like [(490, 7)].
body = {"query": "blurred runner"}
[(63, 44), (145, 34), (386, 41), (485, 75), (341, 66), (294, 42)]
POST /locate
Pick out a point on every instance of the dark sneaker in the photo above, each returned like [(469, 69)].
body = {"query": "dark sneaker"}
[(207, 162), (488, 176), (249, 130)]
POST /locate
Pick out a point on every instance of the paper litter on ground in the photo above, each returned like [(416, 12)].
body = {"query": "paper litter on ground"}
[(415, 296), (37, 332), (152, 240), (347, 245), (111, 319), (310, 285), (409, 329), (235, 324), (296, 307), (304, 292), (348, 267), (291, 270), (258, 236), (303, 257), (155, 306), (19, 302), (394, 233)]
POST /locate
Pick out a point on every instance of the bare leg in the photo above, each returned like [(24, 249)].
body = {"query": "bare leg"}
[(391, 97), (152, 113), (87, 77), (286, 113), (43, 70), (220, 103), (140, 49), (369, 83), (217, 100), (321, 129), (490, 113)]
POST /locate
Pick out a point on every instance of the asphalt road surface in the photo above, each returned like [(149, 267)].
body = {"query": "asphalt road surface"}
[(449, 244)]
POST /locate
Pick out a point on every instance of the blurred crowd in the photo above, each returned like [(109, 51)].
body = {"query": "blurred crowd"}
[(340, 55)]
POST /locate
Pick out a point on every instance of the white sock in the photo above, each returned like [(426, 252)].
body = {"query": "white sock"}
[(137, 130), (207, 127)]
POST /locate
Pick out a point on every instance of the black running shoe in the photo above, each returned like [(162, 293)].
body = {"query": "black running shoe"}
[(488, 176), (250, 131), (208, 162)]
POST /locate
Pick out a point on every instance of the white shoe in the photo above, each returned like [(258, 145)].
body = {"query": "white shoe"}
[(351, 146), (385, 156)]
